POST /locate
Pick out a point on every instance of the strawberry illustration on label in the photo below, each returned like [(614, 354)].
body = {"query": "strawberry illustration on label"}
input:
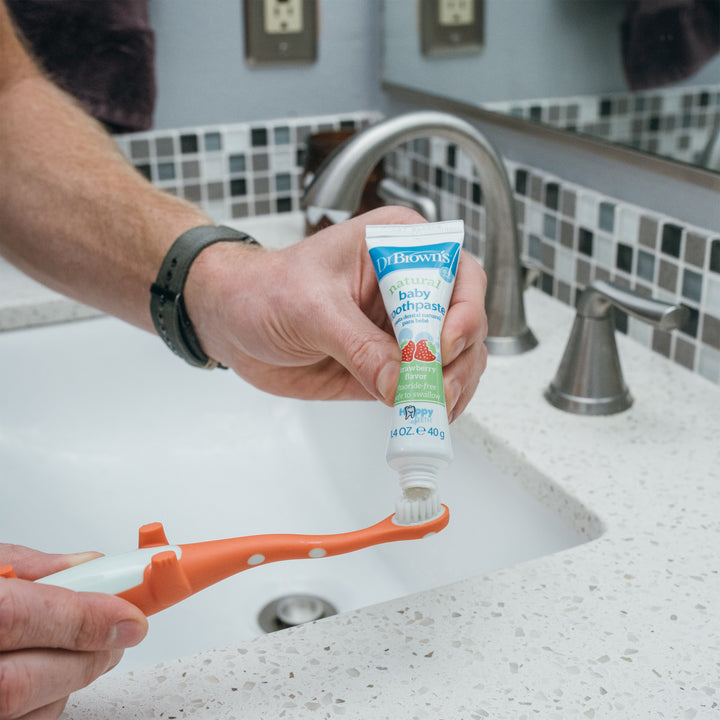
[(408, 350), (424, 351)]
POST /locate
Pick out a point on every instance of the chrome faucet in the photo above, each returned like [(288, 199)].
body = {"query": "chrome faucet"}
[(337, 187)]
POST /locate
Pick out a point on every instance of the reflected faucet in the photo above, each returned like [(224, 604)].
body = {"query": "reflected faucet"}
[(337, 187)]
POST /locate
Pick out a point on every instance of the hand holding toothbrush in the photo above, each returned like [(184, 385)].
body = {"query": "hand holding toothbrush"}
[(55, 641)]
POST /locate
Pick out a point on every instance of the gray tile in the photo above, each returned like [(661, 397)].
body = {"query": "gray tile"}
[(240, 210), (261, 185), (139, 149), (548, 256), (661, 342), (192, 193), (262, 207), (568, 203), (566, 234), (164, 146), (711, 331), (668, 276), (647, 234), (215, 191), (695, 250), (191, 169), (582, 272), (260, 162), (536, 188)]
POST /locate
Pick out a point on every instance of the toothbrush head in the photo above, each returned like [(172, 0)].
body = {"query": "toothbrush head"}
[(417, 506)]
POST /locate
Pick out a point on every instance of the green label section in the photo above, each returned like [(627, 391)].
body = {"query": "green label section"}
[(420, 382)]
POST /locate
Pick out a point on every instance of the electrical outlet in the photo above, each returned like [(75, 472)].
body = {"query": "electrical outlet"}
[(456, 12), (451, 28), (283, 16), (280, 31)]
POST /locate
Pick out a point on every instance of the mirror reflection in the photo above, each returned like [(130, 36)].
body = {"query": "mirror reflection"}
[(640, 73)]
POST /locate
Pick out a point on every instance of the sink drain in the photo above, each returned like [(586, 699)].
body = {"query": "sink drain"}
[(291, 610)]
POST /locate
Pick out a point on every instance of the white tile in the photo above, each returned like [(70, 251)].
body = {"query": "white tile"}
[(628, 225), (534, 220), (711, 301), (640, 331), (213, 167), (709, 365), (604, 251), (564, 265), (587, 210), (282, 160), (237, 140)]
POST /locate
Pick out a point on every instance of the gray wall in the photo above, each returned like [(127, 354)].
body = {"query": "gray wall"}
[(203, 78), (533, 49)]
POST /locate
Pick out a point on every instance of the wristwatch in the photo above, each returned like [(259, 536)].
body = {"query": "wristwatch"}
[(167, 305)]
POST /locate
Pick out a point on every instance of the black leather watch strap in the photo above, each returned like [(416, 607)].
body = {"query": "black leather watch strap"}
[(167, 306)]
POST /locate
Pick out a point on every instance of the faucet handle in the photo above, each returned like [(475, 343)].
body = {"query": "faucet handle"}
[(589, 380), (600, 296)]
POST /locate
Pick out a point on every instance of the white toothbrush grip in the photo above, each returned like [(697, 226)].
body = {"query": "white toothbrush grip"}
[(112, 574)]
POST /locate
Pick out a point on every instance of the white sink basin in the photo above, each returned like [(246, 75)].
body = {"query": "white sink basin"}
[(103, 430)]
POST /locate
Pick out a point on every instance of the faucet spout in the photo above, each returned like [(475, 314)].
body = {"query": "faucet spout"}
[(337, 187)]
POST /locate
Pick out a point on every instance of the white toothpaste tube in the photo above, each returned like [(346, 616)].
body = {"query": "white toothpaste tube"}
[(416, 266)]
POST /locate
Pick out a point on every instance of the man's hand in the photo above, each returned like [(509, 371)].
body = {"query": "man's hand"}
[(55, 641), (308, 321)]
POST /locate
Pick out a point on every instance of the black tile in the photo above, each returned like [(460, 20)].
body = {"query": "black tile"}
[(259, 137), (284, 204), (521, 178), (547, 283), (621, 321), (144, 170), (238, 186), (347, 125), (671, 239), (715, 256), (188, 143), (439, 178), (690, 326), (585, 242), (451, 155), (624, 259), (552, 196), (605, 107), (536, 113), (476, 193)]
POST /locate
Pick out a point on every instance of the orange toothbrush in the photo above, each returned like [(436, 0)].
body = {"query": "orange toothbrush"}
[(158, 574)]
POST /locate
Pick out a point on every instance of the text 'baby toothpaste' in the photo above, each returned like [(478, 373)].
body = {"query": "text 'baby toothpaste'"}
[(416, 267)]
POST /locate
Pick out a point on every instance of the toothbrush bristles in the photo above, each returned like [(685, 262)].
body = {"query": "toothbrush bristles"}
[(417, 505)]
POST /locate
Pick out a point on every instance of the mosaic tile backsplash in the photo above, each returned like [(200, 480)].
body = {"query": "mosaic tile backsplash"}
[(571, 232), (674, 122)]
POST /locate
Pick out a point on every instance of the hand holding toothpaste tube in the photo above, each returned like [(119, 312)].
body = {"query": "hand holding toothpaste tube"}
[(308, 321)]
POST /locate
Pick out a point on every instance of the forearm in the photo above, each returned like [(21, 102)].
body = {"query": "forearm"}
[(73, 213)]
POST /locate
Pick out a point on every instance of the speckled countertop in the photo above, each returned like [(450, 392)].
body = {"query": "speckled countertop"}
[(626, 625)]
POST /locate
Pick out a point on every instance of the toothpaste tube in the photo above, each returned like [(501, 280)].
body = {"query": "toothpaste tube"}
[(415, 267)]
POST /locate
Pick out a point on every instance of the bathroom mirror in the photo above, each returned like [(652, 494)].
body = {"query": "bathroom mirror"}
[(582, 66)]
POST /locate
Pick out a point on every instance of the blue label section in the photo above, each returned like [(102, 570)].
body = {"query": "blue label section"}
[(444, 256)]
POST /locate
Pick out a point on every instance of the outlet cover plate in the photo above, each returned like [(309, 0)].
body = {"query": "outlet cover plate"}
[(451, 28), (280, 31)]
